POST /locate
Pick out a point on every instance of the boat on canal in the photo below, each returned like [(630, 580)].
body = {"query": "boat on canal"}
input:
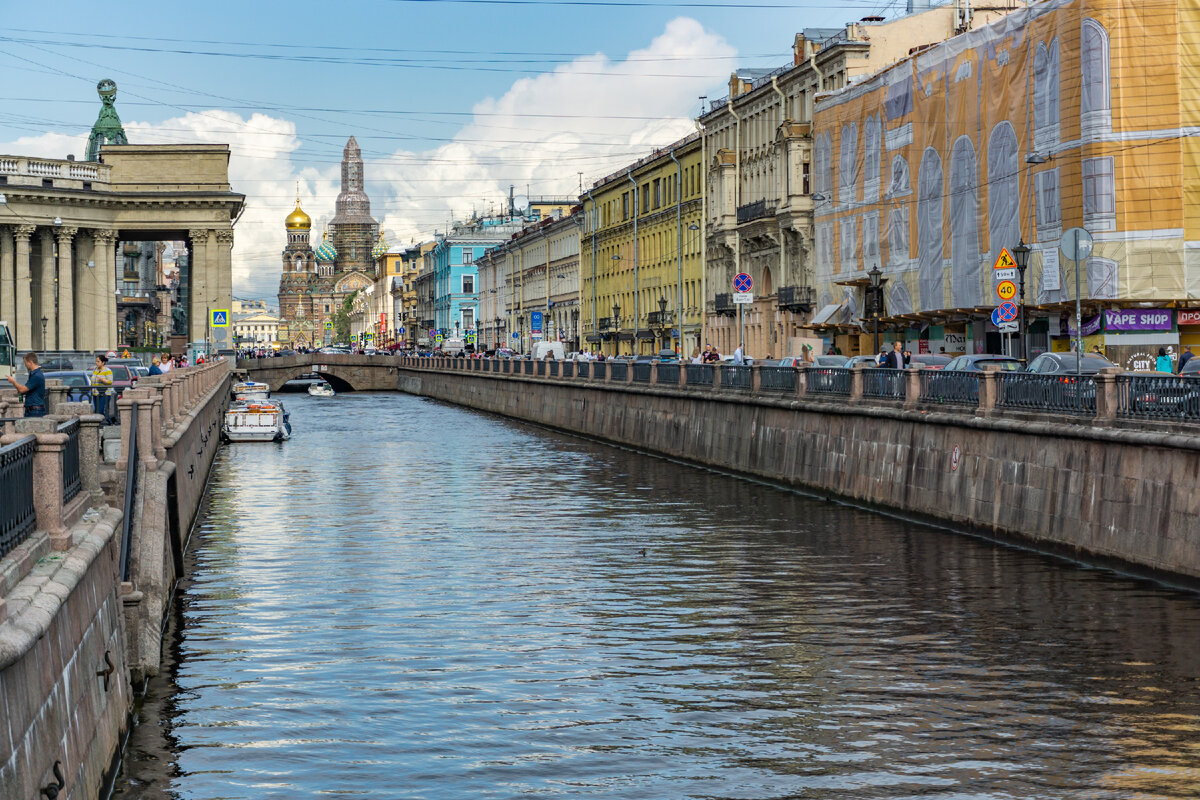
[(251, 392), (256, 422), (322, 389)]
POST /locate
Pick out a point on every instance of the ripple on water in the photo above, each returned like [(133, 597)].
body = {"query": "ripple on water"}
[(410, 600)]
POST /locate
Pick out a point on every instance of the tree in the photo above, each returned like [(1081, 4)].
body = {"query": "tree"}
[(341, 318)]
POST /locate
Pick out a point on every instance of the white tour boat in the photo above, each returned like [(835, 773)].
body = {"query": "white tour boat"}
[(251, 392), (322, 389), (256, 422)]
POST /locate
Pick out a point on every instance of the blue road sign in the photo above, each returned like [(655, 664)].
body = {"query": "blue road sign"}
[(996, 316), (1007, 310), (535, 320), (516, 336), (742, 282), (220, 318)]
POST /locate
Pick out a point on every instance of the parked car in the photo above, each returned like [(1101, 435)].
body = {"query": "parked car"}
[(728, 360), (77, 382), (929, 360), (1158, 394), (1064, 391), (974, 363), (818, 361), (123, 377), (854, 361)]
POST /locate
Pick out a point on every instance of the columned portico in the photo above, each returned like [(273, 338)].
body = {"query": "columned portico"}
[(46, 335), (22, 321), (199, 261), (64, 311)]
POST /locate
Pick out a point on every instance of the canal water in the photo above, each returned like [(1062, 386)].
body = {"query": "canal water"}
[(412, 600)]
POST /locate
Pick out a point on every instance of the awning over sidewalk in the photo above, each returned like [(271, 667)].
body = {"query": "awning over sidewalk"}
[(823, 316)]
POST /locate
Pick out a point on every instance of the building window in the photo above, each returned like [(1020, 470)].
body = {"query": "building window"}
[(1045, 96), (849, 243), (1049, 205), (468, 319), (872, 146), (625, 206), (930, 243), (468, 284), (871, 240), (848, 164), (899, 184), (1003, 167), (1099, 194), (657, 193), (1095, 100), (964, 224)]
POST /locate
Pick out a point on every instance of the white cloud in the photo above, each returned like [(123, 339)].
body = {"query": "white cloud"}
[(414, 192)]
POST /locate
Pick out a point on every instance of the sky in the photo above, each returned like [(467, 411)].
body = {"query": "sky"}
[(451, 101)]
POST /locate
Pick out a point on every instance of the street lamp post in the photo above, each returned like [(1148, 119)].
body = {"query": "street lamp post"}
[(575, 328), (498, 339), (1021, 256), (875, 275), (662, 320), (44, 323), (616, 325)]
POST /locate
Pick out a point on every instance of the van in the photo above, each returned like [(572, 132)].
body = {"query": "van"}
[(452, 346), (542, 349), (8, 352)]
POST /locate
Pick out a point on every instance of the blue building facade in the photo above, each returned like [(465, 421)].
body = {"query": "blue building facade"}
[(456, 278)]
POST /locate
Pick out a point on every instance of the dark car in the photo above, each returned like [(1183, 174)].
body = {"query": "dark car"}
[(1063, 363), (975, 363), (929, 360), (1057, 386), (76, 381), (953, 382)]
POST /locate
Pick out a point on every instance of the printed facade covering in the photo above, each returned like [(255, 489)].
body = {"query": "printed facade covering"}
[(1060, 115)]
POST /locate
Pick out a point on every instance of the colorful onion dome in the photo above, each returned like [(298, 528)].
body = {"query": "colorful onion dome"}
[(380, 248), (326, 252)]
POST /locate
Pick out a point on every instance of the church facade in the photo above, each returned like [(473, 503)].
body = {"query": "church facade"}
[(315, 280)]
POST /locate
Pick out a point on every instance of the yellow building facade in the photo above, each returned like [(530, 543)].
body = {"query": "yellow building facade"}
[(640, 266), (1064, 114)]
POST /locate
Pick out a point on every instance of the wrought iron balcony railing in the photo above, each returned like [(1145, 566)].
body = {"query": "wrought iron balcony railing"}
[(796, 298), (724, 305), (660, 318), (752, 211)]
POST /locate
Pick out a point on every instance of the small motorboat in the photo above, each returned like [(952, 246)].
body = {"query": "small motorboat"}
[(251, 392), (322, 389), (256, 422)]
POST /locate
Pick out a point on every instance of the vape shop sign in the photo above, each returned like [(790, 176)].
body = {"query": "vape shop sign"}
[(1138, 319)]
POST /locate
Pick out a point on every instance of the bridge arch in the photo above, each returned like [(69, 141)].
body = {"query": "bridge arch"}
[(345, 373)]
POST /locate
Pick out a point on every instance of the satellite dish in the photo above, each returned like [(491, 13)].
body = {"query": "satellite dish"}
[(521, 203)]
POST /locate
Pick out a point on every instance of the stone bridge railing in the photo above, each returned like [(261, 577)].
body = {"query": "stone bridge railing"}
[(83, 585)]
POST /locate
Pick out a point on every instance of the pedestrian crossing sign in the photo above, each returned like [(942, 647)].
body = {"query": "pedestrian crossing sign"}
[(220, 318), (328, 326)]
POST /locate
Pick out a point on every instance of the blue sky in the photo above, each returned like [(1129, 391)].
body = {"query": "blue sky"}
[(450, 101)]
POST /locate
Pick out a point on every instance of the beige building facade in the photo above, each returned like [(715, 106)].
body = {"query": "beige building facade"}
[(62, 223), (759, 157)]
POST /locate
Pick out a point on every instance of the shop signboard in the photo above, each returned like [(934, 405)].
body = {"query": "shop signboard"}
[(1137, 319), (1189, 316)]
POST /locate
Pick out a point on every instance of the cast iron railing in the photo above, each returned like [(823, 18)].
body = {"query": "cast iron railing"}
[(886, 383), (1158, 397), (668, 374), (723, 304), (641, 373), (828, 380), (1067, 394), (584, 369), (777, 379), (618, 370), (796, 298), (752, 211), (17, 515), (568, 369), (71, 480), (699, 374), (956, 387), (735, 377)]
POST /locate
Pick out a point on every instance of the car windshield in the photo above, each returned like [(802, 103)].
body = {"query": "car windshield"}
[(1003, 365), (120, 372)]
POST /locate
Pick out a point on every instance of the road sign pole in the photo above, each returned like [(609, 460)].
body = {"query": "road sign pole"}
[(1078, 324)]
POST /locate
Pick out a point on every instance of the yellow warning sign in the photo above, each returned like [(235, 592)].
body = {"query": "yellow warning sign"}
[(1005, 260)]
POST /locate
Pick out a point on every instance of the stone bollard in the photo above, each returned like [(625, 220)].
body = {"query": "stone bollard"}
[(149, 434), (856, 382), (1108, 388), (716, 387), (654, 373), (89, 445), (801, 382), (56, 395), (683, 376), (47, 476), (989, 388), (755, 378), (912, 388)]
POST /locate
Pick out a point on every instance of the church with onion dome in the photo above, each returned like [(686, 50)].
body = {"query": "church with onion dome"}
[(315, 280)]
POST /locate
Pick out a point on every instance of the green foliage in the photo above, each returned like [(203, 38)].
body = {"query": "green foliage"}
[(341, 318)]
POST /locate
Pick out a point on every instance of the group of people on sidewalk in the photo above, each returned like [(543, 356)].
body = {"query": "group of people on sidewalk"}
[(34, 389)]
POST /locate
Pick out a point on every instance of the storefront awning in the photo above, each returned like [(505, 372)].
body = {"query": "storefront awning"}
[(823, 316)]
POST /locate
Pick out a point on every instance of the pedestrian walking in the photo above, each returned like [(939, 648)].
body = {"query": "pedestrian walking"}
[(738, 358), (696, 356), (102, 376), (1185, 356), (881, 359), (1163, 362), (895, 359), (34, 388)]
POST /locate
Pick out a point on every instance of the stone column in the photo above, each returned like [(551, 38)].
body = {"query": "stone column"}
[(104, 333), (199, 299), (23, 294), (801, 383), (56, 395), (66, 289), (989, 388), (654, 374), (223, 276), (8, 275), (84, 291), (46, 308), (912, 389), (755, 378), (856, 382), (1107, 395), (47, 478)]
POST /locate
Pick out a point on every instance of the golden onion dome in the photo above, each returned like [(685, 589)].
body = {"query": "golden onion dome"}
[(298, 219)]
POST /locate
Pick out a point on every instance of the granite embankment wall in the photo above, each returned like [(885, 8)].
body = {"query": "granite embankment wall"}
[(1102, 493), (74, 636)]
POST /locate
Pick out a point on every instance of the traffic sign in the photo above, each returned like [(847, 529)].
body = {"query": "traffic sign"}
[(1006, 290), (400, 330), (996, 320), (1005, 274), (1007, 311), (328, 326), (516, 335), (742, 282), (1007, 327), (437, 338), (1005, 260), (535, 320), (220, 318), (743, 297), (1076, 244)]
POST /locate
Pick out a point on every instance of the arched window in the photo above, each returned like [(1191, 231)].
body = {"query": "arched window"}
[(898, 183), (1003, 192), (1045, 96), (1095, 94), (822, 156), (964, 224), (872, 148), (848, 164), (899, 301), (929, 231), (849, 243)]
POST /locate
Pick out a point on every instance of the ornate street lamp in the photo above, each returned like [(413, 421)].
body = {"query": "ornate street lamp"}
[(575, 327), (1021, 256), (44, 323), (499, 341), (662, 320), (875, 276), (616, 326)]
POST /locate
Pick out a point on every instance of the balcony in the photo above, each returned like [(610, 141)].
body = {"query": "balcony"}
[(796, 298), (607, 324), (752, 211), (725, 305)]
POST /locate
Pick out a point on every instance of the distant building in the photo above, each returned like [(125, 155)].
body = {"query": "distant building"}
[(256, 328)]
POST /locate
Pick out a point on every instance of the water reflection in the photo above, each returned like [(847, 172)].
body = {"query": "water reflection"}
[(411, 600)]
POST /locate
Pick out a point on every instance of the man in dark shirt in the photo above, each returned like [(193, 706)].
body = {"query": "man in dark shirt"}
[(34, 388), (1185, 356)]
